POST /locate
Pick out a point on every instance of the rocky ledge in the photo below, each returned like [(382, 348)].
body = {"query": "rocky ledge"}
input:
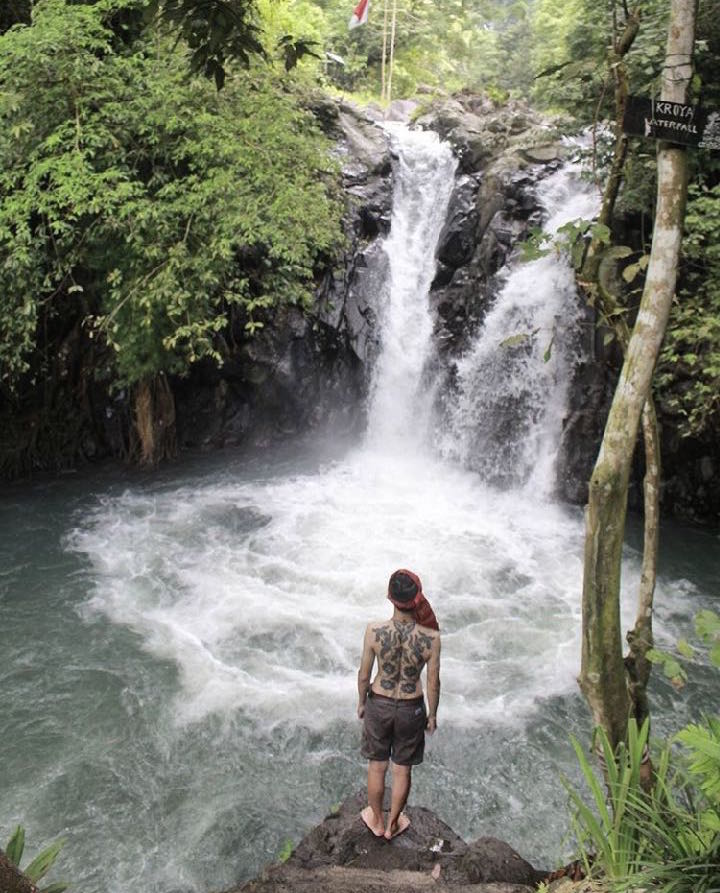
[(341, 855)]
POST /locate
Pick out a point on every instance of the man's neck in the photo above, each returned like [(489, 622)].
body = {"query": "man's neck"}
[(403, 616)]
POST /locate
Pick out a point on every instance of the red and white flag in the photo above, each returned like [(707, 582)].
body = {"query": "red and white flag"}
[(360, 14)]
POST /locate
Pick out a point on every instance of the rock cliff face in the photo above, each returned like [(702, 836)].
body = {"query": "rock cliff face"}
[(304, 371), (342, 856), (504, 153), (307, 371)]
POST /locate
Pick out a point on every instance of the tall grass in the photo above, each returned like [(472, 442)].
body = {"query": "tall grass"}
[(666, 839), (611, 844)]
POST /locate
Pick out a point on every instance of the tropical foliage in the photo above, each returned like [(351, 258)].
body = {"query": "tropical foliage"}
[(143, 203), (36, 869), (689, 370), (663, 836), (666, 838), (610, 843)]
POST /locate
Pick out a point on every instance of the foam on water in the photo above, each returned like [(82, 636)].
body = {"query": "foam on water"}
[(249, 595), (259, 591), (505, 419)]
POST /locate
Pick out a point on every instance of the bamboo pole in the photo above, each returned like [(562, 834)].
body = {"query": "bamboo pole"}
[(384, 51), (392, 51)]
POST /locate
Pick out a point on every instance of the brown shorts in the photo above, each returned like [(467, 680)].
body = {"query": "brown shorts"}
[(394, 728)]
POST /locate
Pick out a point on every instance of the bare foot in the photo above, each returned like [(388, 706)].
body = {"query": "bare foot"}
[(375, 825), (397, 827)]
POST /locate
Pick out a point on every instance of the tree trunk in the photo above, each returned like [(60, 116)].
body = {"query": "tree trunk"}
[(640, 638), (155, 421), (620, 49), (602, 677)]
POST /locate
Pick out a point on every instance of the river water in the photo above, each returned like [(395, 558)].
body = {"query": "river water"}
[(180, 649)]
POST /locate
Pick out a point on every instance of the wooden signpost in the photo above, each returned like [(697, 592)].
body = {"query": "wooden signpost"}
[(688, 125)]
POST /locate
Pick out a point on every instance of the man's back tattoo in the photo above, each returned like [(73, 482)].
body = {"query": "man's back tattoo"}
[(404, 651)]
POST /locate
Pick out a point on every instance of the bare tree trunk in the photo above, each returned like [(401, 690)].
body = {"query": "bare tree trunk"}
[(602, 677), (384, 53), (620, 49), (391, 64), (144, 422), (155, 420), (640, 638)]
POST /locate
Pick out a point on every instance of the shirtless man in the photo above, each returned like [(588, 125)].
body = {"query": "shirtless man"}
[(393, 707)]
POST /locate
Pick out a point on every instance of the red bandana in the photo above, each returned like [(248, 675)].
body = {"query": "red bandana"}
[(423, 614)]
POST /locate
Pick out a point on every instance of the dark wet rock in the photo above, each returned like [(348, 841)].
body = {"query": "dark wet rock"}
[(307, 370), (489, 859), (459, 235), (491, 208), (480, 131), (343, 839), (691, 483), (362, 880), (589, 400), (327, 113), (543, 154), (341, 854), (363, 147), (504, 153), (490, 212)]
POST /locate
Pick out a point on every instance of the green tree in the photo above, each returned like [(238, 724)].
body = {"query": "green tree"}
[(216, 31), (602, 678), (569, 50), (143, 205), (688, 378)]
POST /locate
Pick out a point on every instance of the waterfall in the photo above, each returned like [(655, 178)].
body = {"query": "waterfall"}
[(193, 704), (424, 175), (505, 419)]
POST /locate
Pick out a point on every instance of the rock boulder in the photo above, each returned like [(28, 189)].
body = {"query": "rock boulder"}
[(341, 855)]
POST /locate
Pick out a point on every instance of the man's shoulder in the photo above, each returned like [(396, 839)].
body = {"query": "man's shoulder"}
[(376, 624), (428, 631)]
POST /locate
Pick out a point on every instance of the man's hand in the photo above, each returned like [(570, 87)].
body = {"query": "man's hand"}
[(361, 711), (431, 724)]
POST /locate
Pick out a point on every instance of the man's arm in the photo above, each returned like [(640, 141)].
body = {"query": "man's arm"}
[(433, 684), (365, 671)]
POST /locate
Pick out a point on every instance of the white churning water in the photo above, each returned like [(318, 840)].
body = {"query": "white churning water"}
[(506, 419), (423, 181), (259, 590)]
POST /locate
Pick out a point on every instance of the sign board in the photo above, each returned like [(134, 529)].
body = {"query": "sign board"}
[(689, 125)]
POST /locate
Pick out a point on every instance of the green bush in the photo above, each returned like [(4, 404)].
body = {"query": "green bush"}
[(679, 821), (609, 841), (38, 867), (688, 377), (667, 838), (141, 202)]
